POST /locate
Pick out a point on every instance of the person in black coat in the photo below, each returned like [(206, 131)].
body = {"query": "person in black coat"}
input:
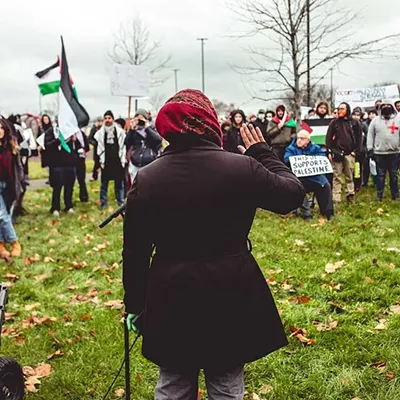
[(204, 289), (233, 139), (96, 167), (80, 146)]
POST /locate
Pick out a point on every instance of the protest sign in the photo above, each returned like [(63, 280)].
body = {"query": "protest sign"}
[(366, 97), (130, 81), (303, 166)]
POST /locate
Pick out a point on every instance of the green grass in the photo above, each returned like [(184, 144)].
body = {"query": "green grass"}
[(37, 172), (336, 367)]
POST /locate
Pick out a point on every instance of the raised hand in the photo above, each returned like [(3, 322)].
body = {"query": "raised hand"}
[(250, 137)]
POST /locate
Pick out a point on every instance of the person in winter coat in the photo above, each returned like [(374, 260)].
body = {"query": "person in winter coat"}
[(383, 144), (233, 140), (61, 161), (96, 167), (343, 144), (202, 269), (80, 147), (317, 184), (111, 150), (142, 144), (261, 123), (11, 180), (366, 168), (360, 159), (280, 135)]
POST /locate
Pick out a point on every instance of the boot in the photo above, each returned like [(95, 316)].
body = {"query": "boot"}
[(4, 253), (15, 249)]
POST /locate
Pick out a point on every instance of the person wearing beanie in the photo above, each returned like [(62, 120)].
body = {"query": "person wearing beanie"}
[(233, 140), (195, 204), (111, 150), (343, 144), (121, 123), (280, 131), (383, 145), (143, 144), (96, 167)]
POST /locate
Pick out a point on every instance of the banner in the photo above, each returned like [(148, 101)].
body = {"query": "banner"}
[(303, 166), (366, 97), (130, 81)]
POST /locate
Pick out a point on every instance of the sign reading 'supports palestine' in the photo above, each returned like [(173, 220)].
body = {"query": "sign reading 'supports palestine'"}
[(303, 166)]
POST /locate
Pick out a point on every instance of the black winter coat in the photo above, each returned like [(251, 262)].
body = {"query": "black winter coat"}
[(206, 300), (15, 183), (233, 140), (142, 150), (56, 156)]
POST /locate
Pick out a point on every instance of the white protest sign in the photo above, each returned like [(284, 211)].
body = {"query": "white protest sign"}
[(130, 80), (40, 140), (366, 97), (303, 166)]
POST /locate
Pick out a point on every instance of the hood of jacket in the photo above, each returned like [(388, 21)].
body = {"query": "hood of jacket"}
[(241, 112)]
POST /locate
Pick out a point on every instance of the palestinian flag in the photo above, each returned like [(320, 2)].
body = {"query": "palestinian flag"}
[(291, 123), (71, 114), (49, 79)]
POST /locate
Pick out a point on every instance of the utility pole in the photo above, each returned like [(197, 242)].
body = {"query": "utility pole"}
[(308, 56), (176, 79), (202, 64), (332, 101)]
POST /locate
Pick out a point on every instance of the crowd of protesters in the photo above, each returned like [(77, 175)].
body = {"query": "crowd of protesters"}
[(358, 144)]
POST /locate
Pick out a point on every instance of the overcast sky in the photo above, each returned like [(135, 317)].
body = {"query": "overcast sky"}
[(30, 30)]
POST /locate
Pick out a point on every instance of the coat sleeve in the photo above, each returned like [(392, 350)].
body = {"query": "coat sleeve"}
[(371, 136), (274, 186), (273, 129), (136, 251), (329, 137), (288, 153)]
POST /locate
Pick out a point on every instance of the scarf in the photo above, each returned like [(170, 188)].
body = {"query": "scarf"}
[(189, 112)]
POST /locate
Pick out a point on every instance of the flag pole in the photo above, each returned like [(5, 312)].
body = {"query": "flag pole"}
[(129, 107)]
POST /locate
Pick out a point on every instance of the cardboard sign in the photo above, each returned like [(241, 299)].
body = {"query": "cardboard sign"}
[(130, 80), (366, 97), (303, 166)]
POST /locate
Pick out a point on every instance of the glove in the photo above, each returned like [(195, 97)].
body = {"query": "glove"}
[(129, 323)]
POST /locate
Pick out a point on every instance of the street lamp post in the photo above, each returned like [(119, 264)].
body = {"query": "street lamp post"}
[(203, 85), (176, 79)]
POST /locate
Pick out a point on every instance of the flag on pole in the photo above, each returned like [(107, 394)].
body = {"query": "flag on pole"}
[(71, 114), (49, 79)]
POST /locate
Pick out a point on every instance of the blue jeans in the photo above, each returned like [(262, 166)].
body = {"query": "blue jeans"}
[(390, 163), (118, 189), (7, 231)]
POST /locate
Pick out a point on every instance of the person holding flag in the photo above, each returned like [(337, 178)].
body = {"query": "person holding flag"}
[(281, 131)]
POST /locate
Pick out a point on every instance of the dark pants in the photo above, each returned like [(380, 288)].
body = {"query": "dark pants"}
[(359, 181), (280, 152), (118, 189), (62, 177), (324, 199), (366, 171), (81, 177), (390, 163), (96, 166)]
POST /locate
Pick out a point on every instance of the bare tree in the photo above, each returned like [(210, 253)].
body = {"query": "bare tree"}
[(157, 100), (223, 108), (282, 64), (132, 45)]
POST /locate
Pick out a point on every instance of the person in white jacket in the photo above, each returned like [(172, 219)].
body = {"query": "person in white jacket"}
[(383, 145), (111, 150)]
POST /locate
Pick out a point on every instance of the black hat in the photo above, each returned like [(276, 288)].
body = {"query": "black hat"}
[(109, 113), (261, 111), (121, 122)]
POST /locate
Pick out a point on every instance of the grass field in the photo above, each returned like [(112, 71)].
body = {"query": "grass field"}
[(65, 304)]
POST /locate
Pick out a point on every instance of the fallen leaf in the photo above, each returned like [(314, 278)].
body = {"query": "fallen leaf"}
[(392, 266), (330, 326), (299, 243), (41, 277), (72, 287), (338, 308), (380, 365), (305, 340), (30, 307), (13, 277), (368, 280), (200, 395), (286, 285), (58, 353), (255, 396), (9, 316), (52, 242), (86, 317), (395, 309), (390, 375), (300, 300), (331, 268), (382, 325), (30, 384), (272, 281), (266, 389), (393, 250), (300, 333), (93, 292), (120, 392), (95, 269), (48, 260), (114, 304), (379, 211)]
